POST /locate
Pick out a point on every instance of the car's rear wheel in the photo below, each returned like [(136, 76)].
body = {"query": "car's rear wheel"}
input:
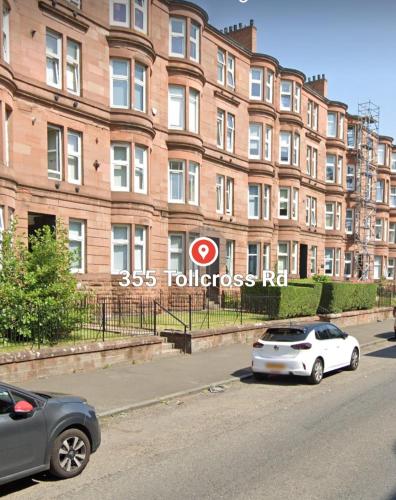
[(317, 372), (70, 454), (355, 358), (260, 376)]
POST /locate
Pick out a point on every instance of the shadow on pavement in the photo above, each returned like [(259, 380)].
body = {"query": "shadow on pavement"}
[(282, 380), (25, 484), (385, 335), (387, 352)]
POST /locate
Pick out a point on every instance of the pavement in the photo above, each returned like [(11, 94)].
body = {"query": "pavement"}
[(128, 386)]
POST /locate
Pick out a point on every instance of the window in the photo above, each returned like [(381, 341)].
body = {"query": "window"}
[(329, 261), (379, 229), (310, 211), (54, 141), (120, 167), (269, 85), (314, 163), (296, 150), (315, 113), (193, 183), (337, 261), (140, 249), (120, 248), (256, 84), (392, 232), (230, 245), (74, 162), (176, 253), (194, 42), (330, 168), (268, 143), (338, 216), (254, 201), (331, 124), (54, 59), (7, 137), (229, 196), (391, 269), (220, 128), (350, 178), (119, 13), (6, 33), (294, 257), (312, 115), (267, 202), (140, 15), (339, 170), (284, 203), (177, 34), (393, 164), (220, 194), (297, 98), (255, 141), (221, 66), (341, 129), (140, 170), (266, 257), (119, 83), (295, 204), (329, 223), (381, 154), (140, 88), (176, 181), (253, 259), (314, 259), (284, 147), (309, 160), (348, 265), (73, 67), (283, 257), (231, 71), (379, 194), (230, 132), (351, 136), (377, 267), (349, 221), (77, 245), (193, 112), (176, 118), (285, 95)]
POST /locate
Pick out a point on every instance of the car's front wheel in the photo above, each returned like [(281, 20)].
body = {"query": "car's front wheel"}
[(354, 363), (317, 372), (70, 454)]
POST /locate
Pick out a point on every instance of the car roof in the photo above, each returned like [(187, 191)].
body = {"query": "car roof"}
[(308, 326)]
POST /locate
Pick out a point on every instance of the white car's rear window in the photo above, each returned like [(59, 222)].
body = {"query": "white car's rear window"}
[(284, 335)]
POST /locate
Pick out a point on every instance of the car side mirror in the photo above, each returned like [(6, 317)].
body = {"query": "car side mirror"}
[(23, 408), (344, 335)]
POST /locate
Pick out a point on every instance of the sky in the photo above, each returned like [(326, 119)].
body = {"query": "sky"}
[(353, 42)]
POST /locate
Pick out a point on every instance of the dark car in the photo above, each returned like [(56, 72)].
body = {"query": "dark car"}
[(44, 431)]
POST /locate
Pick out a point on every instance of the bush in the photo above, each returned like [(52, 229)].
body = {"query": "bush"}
[(297, 299), (339, 297)]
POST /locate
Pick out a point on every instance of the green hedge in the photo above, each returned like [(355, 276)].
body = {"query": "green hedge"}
[(297, 299), (339, 297)]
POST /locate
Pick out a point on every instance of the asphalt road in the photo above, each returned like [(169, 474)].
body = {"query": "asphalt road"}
[(279, 439)]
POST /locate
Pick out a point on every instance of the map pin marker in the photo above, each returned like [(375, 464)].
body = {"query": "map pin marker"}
[(203, 251)]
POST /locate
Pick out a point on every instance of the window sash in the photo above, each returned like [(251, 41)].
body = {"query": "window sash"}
[(285, 147), (177, 38), (230, 132), (120, 8), (140, 84), (230, 250), (119, 85), (268, 143), (176, 259), (392, 232), (176, 114), (6, 33), (349, 221), (54, 60), (381, 154), (74, 158), (220, 128), (283, 256), (253, 259), (194, 41), (229, 208), (177, 181), (193, 183), (221, 66), (120, 248), (73, 67), (266, 202), (140, 249), (331, 169), (231, 71), (269, 86), (256, 84), (285, 95), (314, 259), (140, 15), (140, 169), (77, 243), (331, 124), (350, 178), (54, 154), (193, 111), (255, 141), (297, 98), (284, 203), (266, 257), (329, 261), (220, 194), (254, 201), (296, 150), (120, 168), (329, 219)]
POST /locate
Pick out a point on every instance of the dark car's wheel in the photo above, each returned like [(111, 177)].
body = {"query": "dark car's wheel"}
[(354, 364), (317, 372), (260, 376), (70, 454)]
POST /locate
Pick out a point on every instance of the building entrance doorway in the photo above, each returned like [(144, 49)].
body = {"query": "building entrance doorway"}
[(303, 261)]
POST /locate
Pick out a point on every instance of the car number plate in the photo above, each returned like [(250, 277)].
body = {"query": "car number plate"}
[(275, 366)]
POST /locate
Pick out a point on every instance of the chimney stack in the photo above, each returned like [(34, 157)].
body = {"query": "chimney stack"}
[(319, 84), (244, 35)]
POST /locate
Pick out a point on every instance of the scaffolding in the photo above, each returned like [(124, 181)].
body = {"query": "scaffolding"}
[(366, 172)]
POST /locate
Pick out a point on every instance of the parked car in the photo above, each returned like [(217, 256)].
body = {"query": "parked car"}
[(44, 431), (307, 350)]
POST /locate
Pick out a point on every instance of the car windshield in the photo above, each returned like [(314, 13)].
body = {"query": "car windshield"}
[(284, 335)]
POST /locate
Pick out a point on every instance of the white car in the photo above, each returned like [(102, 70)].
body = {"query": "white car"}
[(308, 350)]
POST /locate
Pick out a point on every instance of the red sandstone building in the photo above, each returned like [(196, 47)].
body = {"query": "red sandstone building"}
[(141, 126)]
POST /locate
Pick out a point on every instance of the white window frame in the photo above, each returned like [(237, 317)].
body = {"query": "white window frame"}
[(256, 81), (193, 111), (392, 199), (255, 138), (339, 170), (220, 180), (349, 218), (268, 143), (254, 196), (123, 78), (350, 178), (177, 169), (393, 162), (230, 133), (143, 10), (193, 183), (113, 22), (141, 84), (176, 97), (266, 257), (269, 86), (329, 259), (121, 163), (56, 174), (309, 160), (75, 155), (377, 269), (314, 259), (55, 57), (285, 94), (230, 252), (81, 241), (284, 199), (140, 167), (330, 215), (120, 242), (7, 137), (296, 150), (390, 275), (266, 202), (294, 257), (348, 264), (175, 34), (221, 66), (295, 198), (314, 163), (74, 65), (297, 98), (331, 132), (229, 196), (379, 226), (140, 245), (179, 251), (195, 41), (392, 233), (341, 127), (283, 255), (220, 122), (380, 191), (230, 71), (338, 217), (254, 254), (333, 166), (381, 154), (285, 139), (6, 33)]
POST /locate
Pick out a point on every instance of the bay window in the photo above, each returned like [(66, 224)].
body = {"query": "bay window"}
[(120, 167), (331, 124), (176, 181), (253, 259), (285, 147), (286, 95), (349, 221), (350, 178), (193, 112), (176, 104), (283, 256), (177, 37), (77, 245), (268, 143), (140, 168), (120, 248), (348, 265), (54, 59), (331, 168), (195, 42), (74, 160), (256, 84), (140, 249), (119, 83), (255, 141), (254, 201), (176, 257)]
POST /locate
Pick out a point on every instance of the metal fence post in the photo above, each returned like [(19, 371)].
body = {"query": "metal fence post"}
[(208, 312), (189, 312), (103, 319), (155, 317), (141, 312), (241, 308)]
